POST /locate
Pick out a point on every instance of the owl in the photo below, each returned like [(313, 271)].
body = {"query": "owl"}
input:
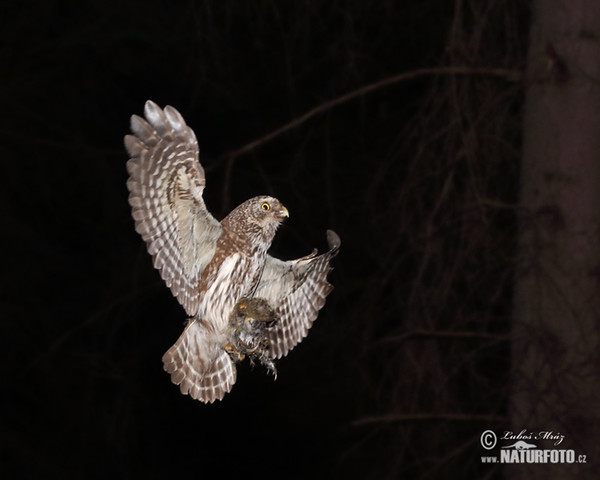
[(241, 301)]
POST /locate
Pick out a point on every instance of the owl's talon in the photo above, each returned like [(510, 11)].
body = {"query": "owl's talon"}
[(248, 332)]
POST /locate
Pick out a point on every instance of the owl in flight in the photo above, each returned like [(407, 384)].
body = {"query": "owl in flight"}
[(241, 301)]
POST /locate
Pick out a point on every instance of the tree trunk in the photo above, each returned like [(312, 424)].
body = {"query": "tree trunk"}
[(556, 363)]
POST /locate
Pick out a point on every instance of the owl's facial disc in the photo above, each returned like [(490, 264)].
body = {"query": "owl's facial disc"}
[(272, 209)]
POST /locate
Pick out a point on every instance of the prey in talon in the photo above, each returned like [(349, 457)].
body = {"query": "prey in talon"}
[(250, 324)]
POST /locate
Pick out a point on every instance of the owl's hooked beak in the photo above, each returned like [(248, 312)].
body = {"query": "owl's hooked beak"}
[(283, 212)]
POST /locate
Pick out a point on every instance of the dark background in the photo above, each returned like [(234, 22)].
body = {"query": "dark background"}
[(379, 389)]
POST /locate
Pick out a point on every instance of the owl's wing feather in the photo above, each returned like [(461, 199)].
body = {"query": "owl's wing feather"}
[(200, 366), (296, 289), (166, 182)]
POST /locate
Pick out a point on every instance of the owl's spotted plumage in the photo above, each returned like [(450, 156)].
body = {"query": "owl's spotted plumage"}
[(219, 271)]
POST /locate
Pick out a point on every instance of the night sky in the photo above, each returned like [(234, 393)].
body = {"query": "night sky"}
[(86, 318)]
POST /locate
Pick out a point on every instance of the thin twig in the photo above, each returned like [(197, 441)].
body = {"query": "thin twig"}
[(454, 417), (508, 75), (445, 334)]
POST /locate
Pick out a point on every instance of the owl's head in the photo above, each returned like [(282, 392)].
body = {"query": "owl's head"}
[(257, 218), (266, 210)]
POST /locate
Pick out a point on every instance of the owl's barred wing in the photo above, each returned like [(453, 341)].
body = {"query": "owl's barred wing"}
[(165, 185), (297, 290), (200, 365)]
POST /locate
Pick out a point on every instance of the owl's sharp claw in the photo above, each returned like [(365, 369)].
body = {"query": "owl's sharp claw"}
[(248, 332)]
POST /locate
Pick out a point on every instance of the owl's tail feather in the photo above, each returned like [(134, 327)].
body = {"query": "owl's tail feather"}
[(199, 365)]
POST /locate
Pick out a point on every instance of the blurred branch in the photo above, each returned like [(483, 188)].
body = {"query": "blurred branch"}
[(445, 334), (455, 417), (508, 75)]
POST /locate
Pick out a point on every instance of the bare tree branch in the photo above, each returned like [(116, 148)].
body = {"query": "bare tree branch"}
[(454, 417), (508, 75), (446, 334)]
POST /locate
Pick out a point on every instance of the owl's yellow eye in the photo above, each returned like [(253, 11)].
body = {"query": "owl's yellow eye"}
[(265, 206)]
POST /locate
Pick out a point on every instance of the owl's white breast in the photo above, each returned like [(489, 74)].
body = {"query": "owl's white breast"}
[(235, 278)]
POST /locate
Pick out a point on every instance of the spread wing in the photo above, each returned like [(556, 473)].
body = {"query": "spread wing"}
[(165, 185), (297, 290)]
